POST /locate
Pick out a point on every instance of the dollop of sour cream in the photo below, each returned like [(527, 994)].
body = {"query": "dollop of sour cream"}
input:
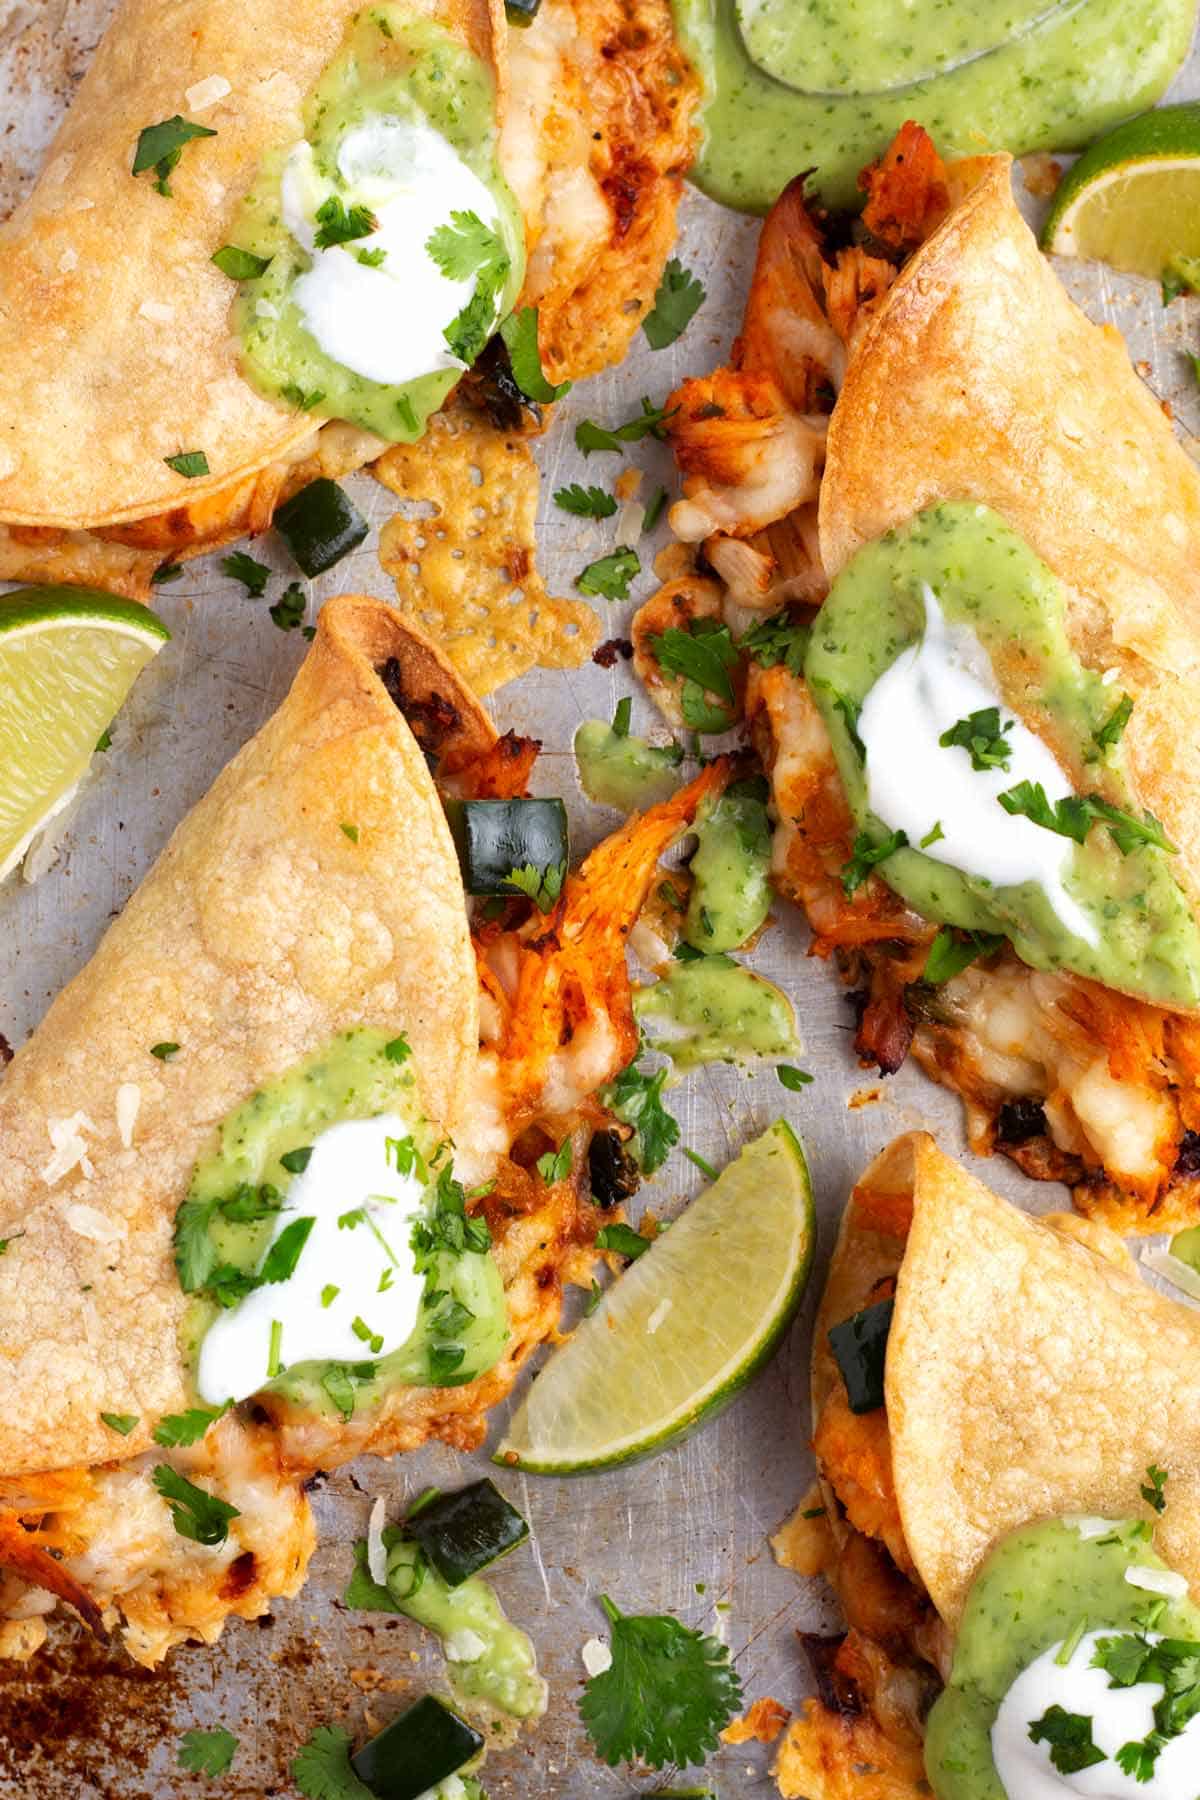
[(385, 320), (332, 1306), (915, 783), (1118, 1716)]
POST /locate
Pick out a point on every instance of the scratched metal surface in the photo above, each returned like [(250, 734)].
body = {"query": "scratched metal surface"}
[(685, 1533)]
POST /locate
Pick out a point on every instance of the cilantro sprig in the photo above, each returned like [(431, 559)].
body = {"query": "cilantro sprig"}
[(650, 422), (464, 246), (679, 298), (666, 1696), (1075, 814)]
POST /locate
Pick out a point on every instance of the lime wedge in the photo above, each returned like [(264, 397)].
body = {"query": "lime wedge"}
[(68, 657), (684, 1328), (1133, 199)]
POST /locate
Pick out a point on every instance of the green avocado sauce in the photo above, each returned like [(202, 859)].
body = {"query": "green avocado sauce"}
[(986, 577), (392, 65), (623, 771), (825, 84), (711, 1009), (1033, 1591), (504, 1677), (353, 1077), (730, 869)]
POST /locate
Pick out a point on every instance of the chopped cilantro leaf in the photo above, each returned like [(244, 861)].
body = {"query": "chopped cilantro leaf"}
[(121, 1422), (240, 265), (160, 146), (953, 951), (322, 1769), (982, 735), (207, 1752), (179, 1429), (610, 575), (635, 1096), (188, 463), (1069, 1737), (165, 573), (470, 329), (866, 854), (678, 300), (164, 1051), (585, 502), (1138, 1758), (350, 831), (1152, 1488), (791, 1078), (543, 886), (520, 334), (288, 610), (398, 1049), (195, 1513), (370, 259), (934, 835), (296, 1161), (555, 1165), (704, 656), (365, 1335), (104, 741), (279, 1264), (622, 716), (666, 1695), (1113, 728), (195, 1252), (337, 224), (248, 1205), (622, 1240), (779, 639), (252, 574)]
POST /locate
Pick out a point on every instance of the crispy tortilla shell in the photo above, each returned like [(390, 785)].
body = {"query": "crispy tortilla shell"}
[(1031, 1372), (116, 346), (976, 377), (261, 932)]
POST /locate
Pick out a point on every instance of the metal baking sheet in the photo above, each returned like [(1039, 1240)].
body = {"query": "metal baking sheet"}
[(686, 1533)]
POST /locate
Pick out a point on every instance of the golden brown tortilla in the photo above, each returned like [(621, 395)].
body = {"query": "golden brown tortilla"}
[(115, 342), (978, 378), (1031, 1372), (261, 932)]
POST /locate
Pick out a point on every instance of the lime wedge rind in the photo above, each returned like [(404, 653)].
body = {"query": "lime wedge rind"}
[(1133, 199), (680, 1334)]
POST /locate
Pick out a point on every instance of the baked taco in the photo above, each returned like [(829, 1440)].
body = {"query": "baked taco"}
[(1007, 1431), (984, 752), (239, 1243), (265, 247)]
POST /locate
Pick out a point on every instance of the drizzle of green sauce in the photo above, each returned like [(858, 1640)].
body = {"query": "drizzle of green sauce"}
[(504, 1675), (391, 65), (1030, 1593), (627, 773), (730, 868), (714, 1010), (987, 577), (825, 84), (350, 1078)]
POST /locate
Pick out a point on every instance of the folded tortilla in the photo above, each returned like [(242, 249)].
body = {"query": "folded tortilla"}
[(116, 348), (977, 378), (261, 933), (1031, 1372)]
